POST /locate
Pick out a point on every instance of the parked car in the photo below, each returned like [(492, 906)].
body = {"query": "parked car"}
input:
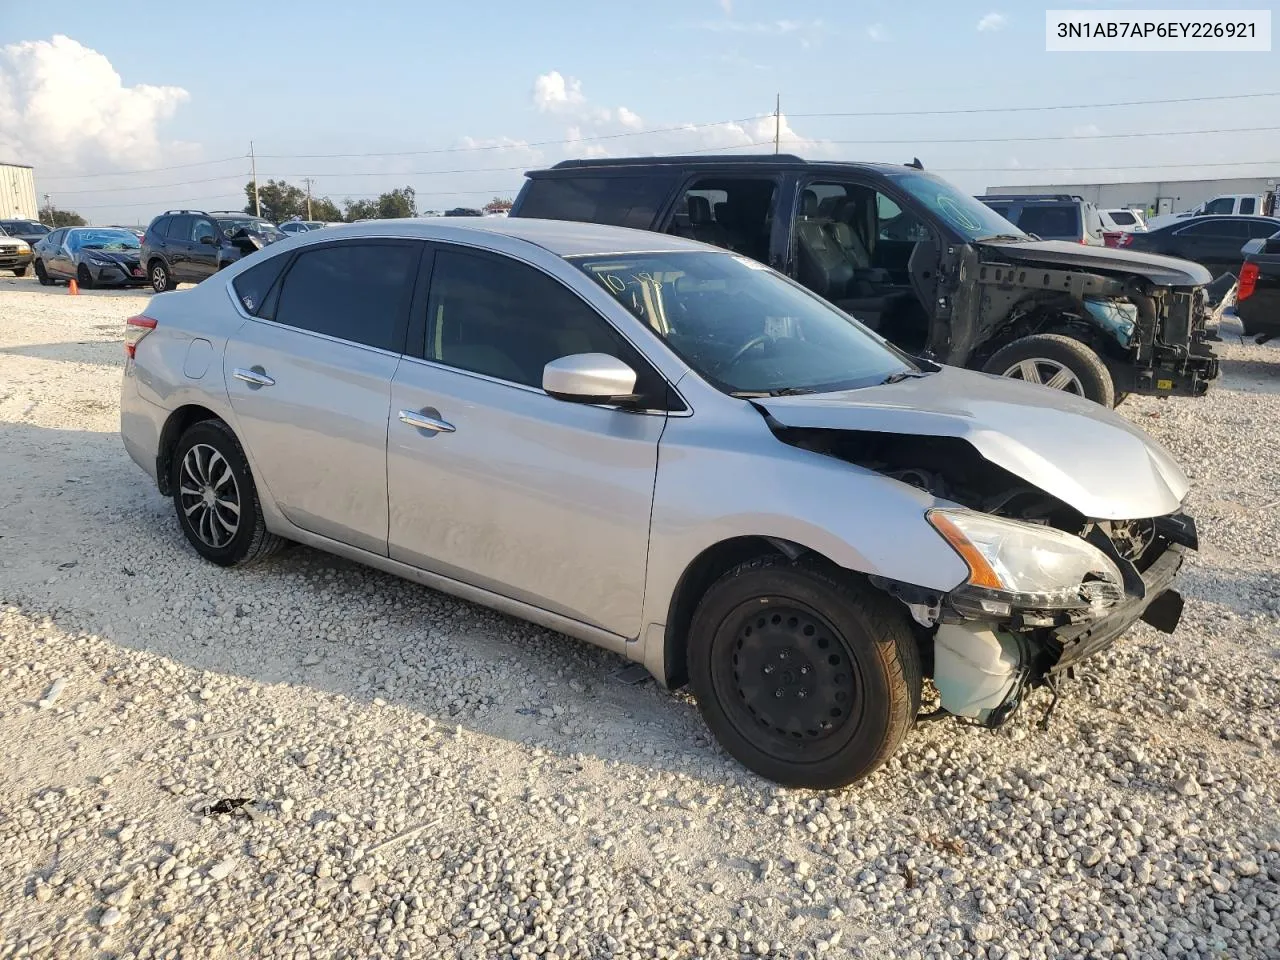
[(32, 231), (1053, 217), (1123, 220), (720, 475), (1224, 205), (15, 254), (92, 256), (1258, 296), (1214, 242), (929, 267), (186, 246), (292, 227), (137, 231)]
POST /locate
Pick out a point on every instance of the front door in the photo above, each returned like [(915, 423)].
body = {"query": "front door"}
[(203, 252), (310, 385), (508, 489)]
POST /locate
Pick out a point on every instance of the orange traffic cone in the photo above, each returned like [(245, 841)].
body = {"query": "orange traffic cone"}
[(73, 288)]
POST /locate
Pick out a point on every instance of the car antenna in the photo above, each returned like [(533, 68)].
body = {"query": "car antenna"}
[(915, 162)]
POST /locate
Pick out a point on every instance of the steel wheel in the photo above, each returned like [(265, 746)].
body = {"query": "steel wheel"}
[(209, 495), (793, 677), (1049, 373)]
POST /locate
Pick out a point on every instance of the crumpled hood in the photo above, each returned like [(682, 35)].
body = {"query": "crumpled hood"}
[(127, 258), (1083, 454), (1160, 270)]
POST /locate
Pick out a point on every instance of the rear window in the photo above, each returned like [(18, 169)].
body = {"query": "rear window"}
[(1051, 223), (620, 201), (1123, 218), (254, 286)]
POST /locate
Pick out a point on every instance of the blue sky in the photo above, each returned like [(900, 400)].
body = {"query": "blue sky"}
[(196, 84)]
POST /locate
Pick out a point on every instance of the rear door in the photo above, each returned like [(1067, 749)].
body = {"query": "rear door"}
[(1214, 243), (309, 375), (56, 260)]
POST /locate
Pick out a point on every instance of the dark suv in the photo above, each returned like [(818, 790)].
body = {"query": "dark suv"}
[(185, 246), (928, 266), (1052, 217)]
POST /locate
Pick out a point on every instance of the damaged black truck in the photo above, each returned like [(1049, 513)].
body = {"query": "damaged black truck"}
[(922, 263)]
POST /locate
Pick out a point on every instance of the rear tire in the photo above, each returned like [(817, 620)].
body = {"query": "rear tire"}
[(804, 674), (215, 497), (42, 276), (161, 279), (19, 271), (1057, 362)]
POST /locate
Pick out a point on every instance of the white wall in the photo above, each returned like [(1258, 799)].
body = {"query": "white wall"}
[(1185, 194), (18, 192)]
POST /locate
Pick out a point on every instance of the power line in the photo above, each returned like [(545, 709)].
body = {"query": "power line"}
[(1087, 136), (129, 173), (1110, 166), (340, 196), (155, 186), (1058, 106)]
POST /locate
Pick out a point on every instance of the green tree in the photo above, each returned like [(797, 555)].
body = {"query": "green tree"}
[(498, 205), (53, 217), (281, 200), (322, 208), (400, 202)]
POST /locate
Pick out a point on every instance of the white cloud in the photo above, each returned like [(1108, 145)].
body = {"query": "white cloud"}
[(992, 21), (629, 120), (64, 105), (727, 7), (773, 27), (553, 92), (878, 33)]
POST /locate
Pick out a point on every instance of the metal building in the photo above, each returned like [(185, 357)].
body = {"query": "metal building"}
[(18, 192), (1154, 196)]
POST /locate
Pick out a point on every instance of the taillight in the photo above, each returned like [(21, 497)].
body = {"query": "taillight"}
[(1248, 281), (1124, 240), (135, 328)]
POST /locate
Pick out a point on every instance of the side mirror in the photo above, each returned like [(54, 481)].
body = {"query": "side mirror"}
[(208, 240), (589, 378)]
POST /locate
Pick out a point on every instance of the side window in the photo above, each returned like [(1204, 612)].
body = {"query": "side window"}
[(894, 223), (495, 316), (253, 287), (56, 238), (1263, 228), (734, 213), (179, 228), (621, 201), (353, 291), (158, 228), (1248, 205), (202, 227), (1219, 205)]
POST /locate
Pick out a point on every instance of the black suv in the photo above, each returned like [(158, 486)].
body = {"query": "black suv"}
[(1051, 217), (185, 246), (926, 265)]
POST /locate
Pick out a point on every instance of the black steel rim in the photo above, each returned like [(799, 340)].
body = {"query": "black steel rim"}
[(787, 680)]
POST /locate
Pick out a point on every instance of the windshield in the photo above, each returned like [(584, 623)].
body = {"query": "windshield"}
[(112, 241), (261, 227), (743, 327), (23, 226), (965, 215)]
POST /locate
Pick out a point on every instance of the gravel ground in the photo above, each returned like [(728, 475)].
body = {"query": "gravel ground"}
[(422, 777)]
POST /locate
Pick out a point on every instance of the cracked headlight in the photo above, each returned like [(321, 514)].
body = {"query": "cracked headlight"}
[(1025, 566)]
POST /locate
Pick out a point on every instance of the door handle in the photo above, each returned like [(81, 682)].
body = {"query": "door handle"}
[(255, 378), (423, 421)]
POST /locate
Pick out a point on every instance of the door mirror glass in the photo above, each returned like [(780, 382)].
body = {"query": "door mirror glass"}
[(589, 378), (207, 240)]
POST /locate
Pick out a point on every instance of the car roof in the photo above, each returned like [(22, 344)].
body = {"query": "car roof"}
[(565, 238), (777, 161), (1220, 217)]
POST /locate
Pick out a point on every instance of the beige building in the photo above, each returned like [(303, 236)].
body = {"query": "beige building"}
[(18, 192), (1154, 196)]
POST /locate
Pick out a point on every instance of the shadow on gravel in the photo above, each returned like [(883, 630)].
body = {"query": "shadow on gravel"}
[(308, 618), (29, 284), (106, 352), (1262, 376)]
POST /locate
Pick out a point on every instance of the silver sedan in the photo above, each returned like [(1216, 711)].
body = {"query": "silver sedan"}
[(668, 450)]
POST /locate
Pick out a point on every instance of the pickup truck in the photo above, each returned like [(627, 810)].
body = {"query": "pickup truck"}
[(1258, 293), (1227, 204)]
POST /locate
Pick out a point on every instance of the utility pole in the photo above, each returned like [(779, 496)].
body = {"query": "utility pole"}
[(308, 181), (253, 174), (48, 204), (777, 122)]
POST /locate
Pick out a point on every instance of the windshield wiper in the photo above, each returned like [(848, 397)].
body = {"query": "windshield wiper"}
[(1014, 237), (905, 375), (779, 392)]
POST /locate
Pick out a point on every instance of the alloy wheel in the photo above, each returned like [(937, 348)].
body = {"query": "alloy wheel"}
[(209, 495), (1049, 373)]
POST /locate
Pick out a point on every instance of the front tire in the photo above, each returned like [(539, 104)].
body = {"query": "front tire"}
[(42, 276), (19, 271), (805, 675), (161, 279), (215, 497), (1058, 362), (84, 278)]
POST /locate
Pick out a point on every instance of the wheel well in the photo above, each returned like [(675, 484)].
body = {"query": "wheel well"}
[(1037, 314), (174, 428), (705, 570)]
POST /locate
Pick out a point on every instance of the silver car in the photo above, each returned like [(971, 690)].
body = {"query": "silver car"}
[(668, 450)]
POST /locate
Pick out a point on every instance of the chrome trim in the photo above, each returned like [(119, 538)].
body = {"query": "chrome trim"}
[(253, 377), (423, 422)]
